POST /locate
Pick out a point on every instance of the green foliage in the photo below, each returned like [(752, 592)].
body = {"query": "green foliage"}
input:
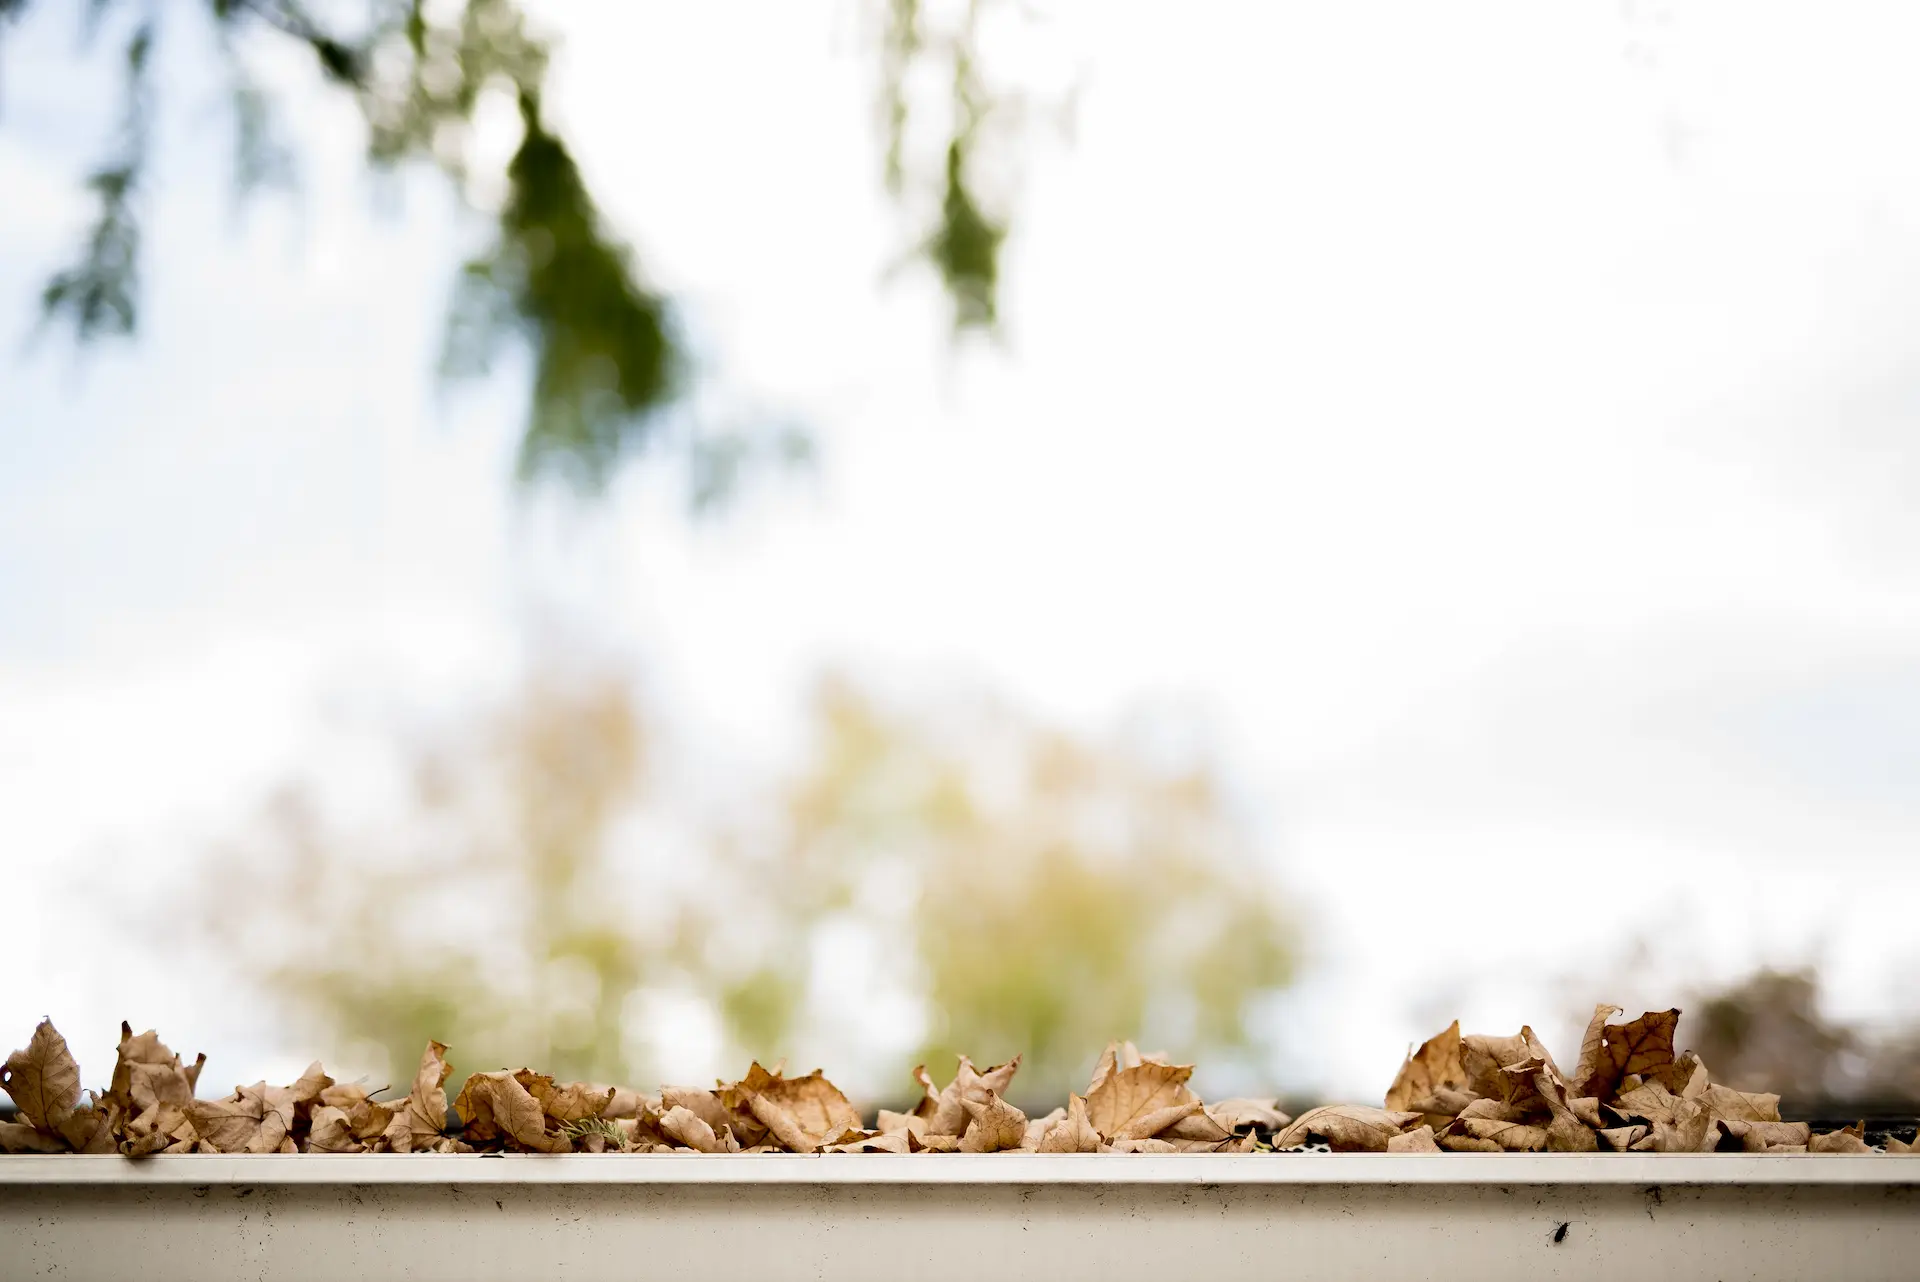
[(1049, 893), (608, 360)]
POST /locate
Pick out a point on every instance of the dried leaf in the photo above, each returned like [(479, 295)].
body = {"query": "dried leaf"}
[(425, 1112), (1622, 1138), (896, 1142), (1128, 1095), (577, 1102), (1904, 1148), (1148, 1125), (367, 1117), (1237, 1113), (331, 1131), (86, 1131), (1850, 1139), (1075, 1134), (1418, 1140), (995, 1125), (1762, 1137), (1037, 1128), (43, 1079), (892, 1123), (1142, 1146), (1745, 1106), (933, 1143), (496, 1106), (1640, 1048), (803, 1114), (229, 1124), (1436, 1066), (18, 1137), (1511, 1137), (947, 1113), (1348, 1127), (690, 1129)]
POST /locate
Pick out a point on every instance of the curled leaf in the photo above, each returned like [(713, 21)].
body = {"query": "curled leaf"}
[(1418, 1140), (1348, 1127), (1075, 1134), (1436, 1066), (994, 1125)]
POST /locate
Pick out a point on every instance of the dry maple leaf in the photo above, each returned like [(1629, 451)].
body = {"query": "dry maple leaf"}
[(425, 1111), (688, 1128), (1348, 1127), (1622, 1138), (18, 1137), (498, 1106), (1125, 1097), (1235, 1114), (994, 1125), (43, 1079), (1074, 1134), (1849, 1139), (1418, 1140), (1511, 1137), (1198, 1132), (803, 1114), (1037, 1128), (368, 1118), (945, 1111), (1904, 1148), (1762, 1137), (331, 1131), (1610, 1053), (1141, 1146), (891, 1123), (1436, 1066), (1745, 1106), (894, 1142)]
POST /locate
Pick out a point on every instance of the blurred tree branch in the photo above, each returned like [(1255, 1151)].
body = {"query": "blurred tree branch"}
[(609, 361)]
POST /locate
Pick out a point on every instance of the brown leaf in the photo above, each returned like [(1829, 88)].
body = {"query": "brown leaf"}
[(1484, 1055), (1622, 1138), (688, 1128), (1618, 1051), (803, 1114), (1128, 1095), (229, 1124), (159, 1128), (1237, 1113), (577, 1102), (1418, 1140), (932, 1143), (624, 1101), (18, 1137), (706, 1106), (496, 1106), (425, 1111), (1142, 1146), (1762, 1137), (1904, 1148), (1746, 1106), (43, 1079), (146, 1073), (1687, 1128), (1037, 1128), (1348, 1127), (331, 1131), (1651, 1102), (1587, 1109), (897, 1142), (1436, 1066), (995, 1125), (1148, 1125), (947, 1114), (367, 1117), (1850, 1139), (1199, 1131), (892, 1123), (1466, 1143), (1511, 1137), (86, 1131), (1075, 1134)]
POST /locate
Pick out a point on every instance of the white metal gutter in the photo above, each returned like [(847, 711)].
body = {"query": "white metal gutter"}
[(1006, 1217)]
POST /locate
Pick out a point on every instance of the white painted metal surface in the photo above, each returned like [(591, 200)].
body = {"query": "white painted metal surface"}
[(1005, 1217)]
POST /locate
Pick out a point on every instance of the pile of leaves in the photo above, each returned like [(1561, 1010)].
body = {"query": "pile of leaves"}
[(1628, 1092), (1135, 1104), (1462, 1093)]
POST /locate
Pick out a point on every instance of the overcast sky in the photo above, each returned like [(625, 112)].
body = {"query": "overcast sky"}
[(1499, 422)]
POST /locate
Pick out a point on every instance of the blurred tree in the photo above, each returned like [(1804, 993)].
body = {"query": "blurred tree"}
[(1767, 1031), (1041, 894), (607, 356)]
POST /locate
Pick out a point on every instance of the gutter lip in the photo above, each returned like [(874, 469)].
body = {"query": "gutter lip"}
[(1006, 1169)]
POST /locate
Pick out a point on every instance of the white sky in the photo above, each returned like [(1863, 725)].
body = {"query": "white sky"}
[(1496, 419)]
